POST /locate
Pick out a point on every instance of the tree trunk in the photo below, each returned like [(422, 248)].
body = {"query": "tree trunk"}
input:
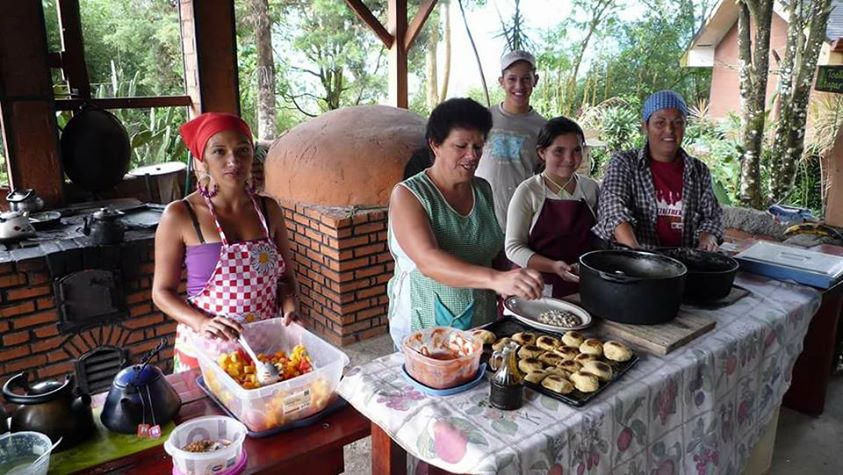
[(805, 35), (446, 25), (754, 61), (432, 86), (476, 53), (265, 69)]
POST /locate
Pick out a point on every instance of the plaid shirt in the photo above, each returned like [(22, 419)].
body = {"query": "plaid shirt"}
[(627, 195)]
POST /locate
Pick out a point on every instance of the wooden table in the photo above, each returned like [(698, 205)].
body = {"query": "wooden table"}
[(317, 449)]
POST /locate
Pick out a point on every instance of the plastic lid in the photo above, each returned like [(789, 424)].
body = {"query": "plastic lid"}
[(137, 376)]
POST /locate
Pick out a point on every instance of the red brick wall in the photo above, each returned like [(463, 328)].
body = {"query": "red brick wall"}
[(342, 266), (28, 322)]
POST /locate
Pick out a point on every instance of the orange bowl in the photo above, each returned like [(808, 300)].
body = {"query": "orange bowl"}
[(441, 368)]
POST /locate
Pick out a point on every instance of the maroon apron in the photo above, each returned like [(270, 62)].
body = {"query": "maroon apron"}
[(562, 233)]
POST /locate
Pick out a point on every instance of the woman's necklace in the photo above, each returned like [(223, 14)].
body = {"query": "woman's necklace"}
[(561, 187)]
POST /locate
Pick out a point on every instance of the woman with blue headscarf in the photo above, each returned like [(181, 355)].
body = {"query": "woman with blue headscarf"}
[(659, 196)]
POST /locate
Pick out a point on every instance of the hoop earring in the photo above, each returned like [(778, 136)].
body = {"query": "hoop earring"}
[(209, 189)]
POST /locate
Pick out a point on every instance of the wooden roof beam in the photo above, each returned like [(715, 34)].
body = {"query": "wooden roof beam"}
[(425, 9), (363, 12)]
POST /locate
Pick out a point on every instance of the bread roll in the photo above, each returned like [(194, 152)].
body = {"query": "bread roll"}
[(592, 346), (547, 342), (583, 357), (570, 366), (535, 377), (585, 382), (573, 338), (557, 384), (616, 351), (530, 351), (598, 368), (551, 359), (530, 364), (524, 338), (485, 336), (557, 371), (568, 353)]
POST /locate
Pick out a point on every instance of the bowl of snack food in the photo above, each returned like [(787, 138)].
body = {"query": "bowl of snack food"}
[(442, 357), (548, 314), (207, 445)]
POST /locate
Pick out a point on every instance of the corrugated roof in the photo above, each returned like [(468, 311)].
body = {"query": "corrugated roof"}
[(834, 29)]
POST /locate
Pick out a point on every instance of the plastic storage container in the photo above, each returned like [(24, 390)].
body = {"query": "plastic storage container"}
[(272, 406), (440, 370), (19, 450), (206, 463)]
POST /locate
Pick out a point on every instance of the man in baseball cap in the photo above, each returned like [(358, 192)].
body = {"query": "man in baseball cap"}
[(509, 156)]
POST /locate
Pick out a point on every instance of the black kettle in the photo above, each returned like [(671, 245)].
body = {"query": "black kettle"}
[(56, 409), (104, 226), (140, 394)]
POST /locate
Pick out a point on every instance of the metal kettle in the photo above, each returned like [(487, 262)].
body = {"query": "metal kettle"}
[(15, 225), (56, 409), (104, 226), (140, 394), (24, 200)]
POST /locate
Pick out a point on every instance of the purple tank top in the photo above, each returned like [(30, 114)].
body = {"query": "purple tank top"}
[(200, 261)]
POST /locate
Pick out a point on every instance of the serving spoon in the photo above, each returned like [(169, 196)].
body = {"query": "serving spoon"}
[(266, 372)]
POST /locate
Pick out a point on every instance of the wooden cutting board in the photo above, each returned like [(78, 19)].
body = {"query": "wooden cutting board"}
[(659, 339)]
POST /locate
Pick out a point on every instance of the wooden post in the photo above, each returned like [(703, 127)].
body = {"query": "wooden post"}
[(833, 175), (27, 111), (73, 46), (397, 27), (388, 458), (209, 44)]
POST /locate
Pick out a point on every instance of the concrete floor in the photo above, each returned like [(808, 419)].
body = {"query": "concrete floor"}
[(804, 445)]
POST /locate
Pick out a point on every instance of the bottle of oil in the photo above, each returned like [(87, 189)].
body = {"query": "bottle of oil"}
[(507, 391)]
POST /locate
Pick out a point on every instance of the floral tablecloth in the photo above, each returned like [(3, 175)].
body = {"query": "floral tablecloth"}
[(699, 410)]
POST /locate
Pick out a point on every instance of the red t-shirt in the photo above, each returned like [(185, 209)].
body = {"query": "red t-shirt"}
[(667, 182)]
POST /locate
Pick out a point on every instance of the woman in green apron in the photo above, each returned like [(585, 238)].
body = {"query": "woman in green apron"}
[(444, 236)]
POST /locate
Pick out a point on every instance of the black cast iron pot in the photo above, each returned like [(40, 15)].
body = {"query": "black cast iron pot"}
[(710, 274), (637, 287)]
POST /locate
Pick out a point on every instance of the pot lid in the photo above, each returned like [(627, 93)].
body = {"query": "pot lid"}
[(159, 169), (138, 375), (108, 214)]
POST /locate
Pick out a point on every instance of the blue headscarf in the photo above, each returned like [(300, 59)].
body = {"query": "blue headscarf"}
[(664, 100)]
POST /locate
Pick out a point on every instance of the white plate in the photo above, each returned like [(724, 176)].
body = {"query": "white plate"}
[(527, 311)]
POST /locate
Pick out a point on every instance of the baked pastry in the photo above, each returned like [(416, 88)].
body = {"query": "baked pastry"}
[(567, 353), (616, 351), (530, 364), (557, 371), (535, 377), (498, 345), (573, 338), (557, 384), (530, 351), (570, 366), (551, 359), (585, 382), (592, 346), (524, 338), (598, 368), (583, 357), (485, 336), (547, 342)]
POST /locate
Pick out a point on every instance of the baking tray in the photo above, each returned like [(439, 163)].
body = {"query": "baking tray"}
[(509, 326), (331, 408)]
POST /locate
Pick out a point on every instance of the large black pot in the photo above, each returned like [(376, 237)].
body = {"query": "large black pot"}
[(710, 274), (637, 287), (95, 150)]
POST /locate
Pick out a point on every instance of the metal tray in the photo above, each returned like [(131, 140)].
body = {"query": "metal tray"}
[(510, 326)]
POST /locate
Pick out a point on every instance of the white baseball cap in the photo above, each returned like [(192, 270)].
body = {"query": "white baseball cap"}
[(512, 57)]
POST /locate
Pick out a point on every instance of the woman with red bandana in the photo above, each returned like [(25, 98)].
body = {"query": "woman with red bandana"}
[(232, 242)]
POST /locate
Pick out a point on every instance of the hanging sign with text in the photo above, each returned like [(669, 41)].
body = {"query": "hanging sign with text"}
[(829, 79)]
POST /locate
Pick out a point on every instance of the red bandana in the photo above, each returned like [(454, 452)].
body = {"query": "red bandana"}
[(198, 131)]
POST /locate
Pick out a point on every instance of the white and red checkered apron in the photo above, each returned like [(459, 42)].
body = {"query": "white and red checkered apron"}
[(242, 287)]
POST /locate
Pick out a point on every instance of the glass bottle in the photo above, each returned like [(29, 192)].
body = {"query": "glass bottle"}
[(507, 384)]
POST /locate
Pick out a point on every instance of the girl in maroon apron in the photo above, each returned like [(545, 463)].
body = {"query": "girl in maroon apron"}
[(561, 232)]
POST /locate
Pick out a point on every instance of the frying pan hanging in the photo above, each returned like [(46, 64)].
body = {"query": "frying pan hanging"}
[(95, 149)]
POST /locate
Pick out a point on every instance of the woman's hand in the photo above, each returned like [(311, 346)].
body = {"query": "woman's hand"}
[(220, 327), (291, 316), (525, 283), (708, 242), (565, 271)]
